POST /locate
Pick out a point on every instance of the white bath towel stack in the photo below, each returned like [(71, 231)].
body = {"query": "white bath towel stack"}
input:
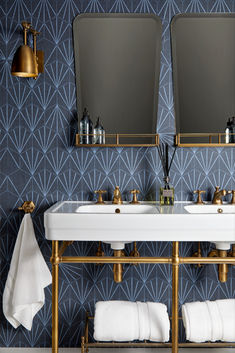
[(121, 321), (24, 295), (210, 321)]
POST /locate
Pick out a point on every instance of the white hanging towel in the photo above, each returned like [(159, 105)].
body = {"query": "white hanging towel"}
[(23, 295)]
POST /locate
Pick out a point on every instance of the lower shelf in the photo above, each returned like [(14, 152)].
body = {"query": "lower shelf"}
[(144, 344)]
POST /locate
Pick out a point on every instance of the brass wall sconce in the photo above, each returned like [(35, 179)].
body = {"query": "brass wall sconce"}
[(28, 62)]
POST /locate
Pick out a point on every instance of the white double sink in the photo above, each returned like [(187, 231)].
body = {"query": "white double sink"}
[(121, 224)]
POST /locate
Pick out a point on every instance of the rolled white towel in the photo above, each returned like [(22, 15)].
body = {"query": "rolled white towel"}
[(143, 322), (196, 319), (226, 308), (159, 322), (215, 321), (127, 321), (209, 321), (116, 321)]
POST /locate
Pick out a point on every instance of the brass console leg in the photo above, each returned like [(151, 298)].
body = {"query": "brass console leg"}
[(55, 273), (175, 288)]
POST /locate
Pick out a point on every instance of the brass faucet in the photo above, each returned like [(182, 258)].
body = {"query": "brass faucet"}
[(117, 197), (218, 194)]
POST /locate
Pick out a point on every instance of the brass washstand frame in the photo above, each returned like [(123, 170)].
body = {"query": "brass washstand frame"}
[(175, 260)]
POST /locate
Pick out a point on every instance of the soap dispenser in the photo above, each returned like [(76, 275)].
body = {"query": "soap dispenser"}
[(86, 128), (99, 133)]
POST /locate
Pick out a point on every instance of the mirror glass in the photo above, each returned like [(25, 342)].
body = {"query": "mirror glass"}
[(117, 60), (203, 51)]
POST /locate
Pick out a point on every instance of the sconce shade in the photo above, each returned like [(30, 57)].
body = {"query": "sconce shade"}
[(24, 63)]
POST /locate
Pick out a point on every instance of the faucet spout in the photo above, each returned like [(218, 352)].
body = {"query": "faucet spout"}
[(117, 197), (218, 194)]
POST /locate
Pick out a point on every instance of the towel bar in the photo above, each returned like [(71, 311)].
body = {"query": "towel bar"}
[(27, 207)]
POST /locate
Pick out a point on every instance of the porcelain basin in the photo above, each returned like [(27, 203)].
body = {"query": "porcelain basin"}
[(123, 209), (209, 208), (117, 209), (147, 221), (214, 209)]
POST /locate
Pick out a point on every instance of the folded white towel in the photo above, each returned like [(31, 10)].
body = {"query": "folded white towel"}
[(23, 295), (215, 321), (159, 322), (196, 321), (116, 321), (143, 321), (227, 314), (209, 320), (127, 321)]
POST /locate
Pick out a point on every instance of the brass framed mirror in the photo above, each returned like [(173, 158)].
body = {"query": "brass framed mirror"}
[(203, 55), (117, 64)]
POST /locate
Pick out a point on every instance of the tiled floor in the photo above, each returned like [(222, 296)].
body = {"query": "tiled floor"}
[(118, 350)]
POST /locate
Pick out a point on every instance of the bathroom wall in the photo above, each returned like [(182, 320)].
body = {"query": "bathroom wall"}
[(38, 162)]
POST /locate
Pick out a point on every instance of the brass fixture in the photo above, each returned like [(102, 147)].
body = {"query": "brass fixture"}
[(117, 197), (198, 254), (27, 207), (218, 194), (118, 268), (134, 192), (233, 196), (199, 198), (99, 253), (232, 252), (135, 252), (220, 210), (63, 247), (27, 62), (100, 199), (223, 268)]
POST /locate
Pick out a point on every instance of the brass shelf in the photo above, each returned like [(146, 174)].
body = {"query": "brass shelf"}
[(117, 140), (215, 139), (85, 344)]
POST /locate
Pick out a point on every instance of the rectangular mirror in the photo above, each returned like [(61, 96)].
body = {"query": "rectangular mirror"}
[(117, 61), (203, 54)]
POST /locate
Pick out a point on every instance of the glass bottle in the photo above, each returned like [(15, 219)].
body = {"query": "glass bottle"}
[(232, 130), (227, 131), (86, 128), (99, 133), (167, 193)]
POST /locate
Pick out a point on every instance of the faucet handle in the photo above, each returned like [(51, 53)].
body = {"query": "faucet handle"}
[(199, 199), (134, 192), (233, 196), (100, 199)]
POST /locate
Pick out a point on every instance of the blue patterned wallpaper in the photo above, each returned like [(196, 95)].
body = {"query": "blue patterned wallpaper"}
[(38, 161)]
